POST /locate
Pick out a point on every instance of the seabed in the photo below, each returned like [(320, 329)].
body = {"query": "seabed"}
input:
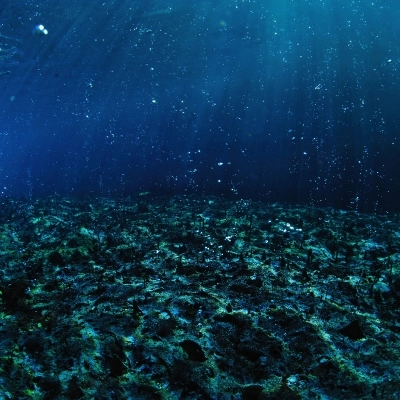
[(192, 297)]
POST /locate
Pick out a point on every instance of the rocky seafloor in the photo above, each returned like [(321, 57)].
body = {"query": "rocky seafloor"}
[(197, 298)]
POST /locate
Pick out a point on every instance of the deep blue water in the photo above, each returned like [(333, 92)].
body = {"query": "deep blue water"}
[(293, 101)]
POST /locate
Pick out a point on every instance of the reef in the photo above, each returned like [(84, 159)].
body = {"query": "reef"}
[(194, 297)]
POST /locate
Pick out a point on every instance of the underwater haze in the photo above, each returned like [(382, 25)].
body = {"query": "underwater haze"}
[(289, 101)]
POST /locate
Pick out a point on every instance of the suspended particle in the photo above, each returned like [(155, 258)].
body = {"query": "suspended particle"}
[(40, 30)]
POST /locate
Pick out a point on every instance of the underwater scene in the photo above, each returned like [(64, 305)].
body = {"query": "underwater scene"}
[(199, 199)]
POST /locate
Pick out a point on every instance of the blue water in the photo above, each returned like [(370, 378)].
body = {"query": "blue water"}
[(292, 101)]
